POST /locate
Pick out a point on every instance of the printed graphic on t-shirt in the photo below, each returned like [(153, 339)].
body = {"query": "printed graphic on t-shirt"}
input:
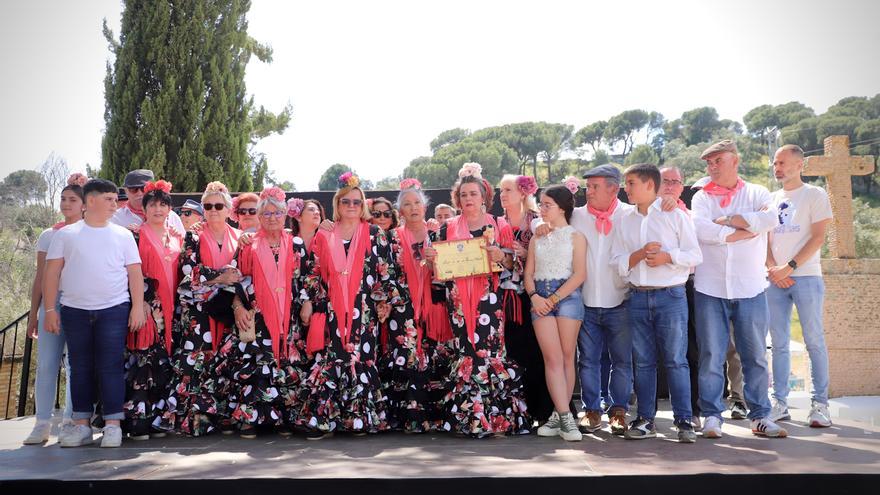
[(787, 211)]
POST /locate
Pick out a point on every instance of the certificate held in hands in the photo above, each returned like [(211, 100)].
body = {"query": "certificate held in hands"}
[(460, 259)]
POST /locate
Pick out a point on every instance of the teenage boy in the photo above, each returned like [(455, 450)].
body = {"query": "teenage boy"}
[(96, 265), (654, 250)]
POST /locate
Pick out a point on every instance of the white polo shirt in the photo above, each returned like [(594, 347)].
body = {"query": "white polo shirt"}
[(674, 230), (733, 270)]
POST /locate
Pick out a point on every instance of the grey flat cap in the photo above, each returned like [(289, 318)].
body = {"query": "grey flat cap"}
[(194, 206), (725, 145), (137, 178), (606, 170)]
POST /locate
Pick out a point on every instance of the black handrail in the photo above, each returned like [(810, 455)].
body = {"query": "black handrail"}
[(24, 382)]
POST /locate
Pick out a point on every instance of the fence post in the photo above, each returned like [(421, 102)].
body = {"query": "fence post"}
[(25, 375)]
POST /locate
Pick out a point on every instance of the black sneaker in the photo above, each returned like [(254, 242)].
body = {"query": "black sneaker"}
[(317, 434), (226, 427), (639, 429), (248, 432), (686, 433), (738, 410), (284, 431)]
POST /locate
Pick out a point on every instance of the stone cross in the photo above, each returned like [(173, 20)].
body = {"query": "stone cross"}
[(838, 167)]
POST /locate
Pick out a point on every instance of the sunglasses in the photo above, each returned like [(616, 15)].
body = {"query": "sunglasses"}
[(213, 206), (136, 189), (277, 214), (351, 202), (188, 213), (246, 211), (380, 214)]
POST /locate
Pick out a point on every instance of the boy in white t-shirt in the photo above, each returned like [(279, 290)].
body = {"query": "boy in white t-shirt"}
[(97, 267), (796, 278)]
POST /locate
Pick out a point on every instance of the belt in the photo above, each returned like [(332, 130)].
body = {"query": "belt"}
[(648, 288)]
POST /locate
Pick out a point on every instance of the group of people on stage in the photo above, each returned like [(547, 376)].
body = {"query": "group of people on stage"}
[(298, 323)]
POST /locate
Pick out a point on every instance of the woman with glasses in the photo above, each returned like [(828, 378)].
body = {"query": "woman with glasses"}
[(207, 274), (191, 214), (383, 214), (250, 368), (147, 363), (352, 285), (484, 393), (244, 212), (415, 361)]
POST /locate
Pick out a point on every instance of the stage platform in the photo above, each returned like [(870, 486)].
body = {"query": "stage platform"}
[(848, 447)]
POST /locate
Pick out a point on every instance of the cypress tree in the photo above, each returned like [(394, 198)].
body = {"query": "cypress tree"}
[(175, 97)]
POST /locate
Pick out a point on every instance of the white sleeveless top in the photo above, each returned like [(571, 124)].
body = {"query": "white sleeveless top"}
[(553, 254)]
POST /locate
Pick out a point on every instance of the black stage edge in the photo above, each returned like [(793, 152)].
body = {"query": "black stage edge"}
[(703, 484)]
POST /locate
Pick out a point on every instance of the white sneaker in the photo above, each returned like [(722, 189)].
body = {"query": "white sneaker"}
[(551, 427), (765, 427), (76, 436), (39, 435), (568, 428), (112, 436), (712, 427), (779, 411), (819, 416)]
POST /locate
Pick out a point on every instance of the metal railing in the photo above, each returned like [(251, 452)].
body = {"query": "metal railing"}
[(17, 370)]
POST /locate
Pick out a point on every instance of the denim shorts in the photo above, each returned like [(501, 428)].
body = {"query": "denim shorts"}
[(571, 307)]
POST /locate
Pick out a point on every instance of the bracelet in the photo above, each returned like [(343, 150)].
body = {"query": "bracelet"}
[(532, 294), (236, 306), (50, 310), (554, 298)]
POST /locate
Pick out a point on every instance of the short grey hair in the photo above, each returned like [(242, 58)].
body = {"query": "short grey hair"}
[(263, 203), (418, 192), (443, 205), (227, 199)]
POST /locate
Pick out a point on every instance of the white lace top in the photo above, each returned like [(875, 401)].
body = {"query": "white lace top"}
[(553, 254)]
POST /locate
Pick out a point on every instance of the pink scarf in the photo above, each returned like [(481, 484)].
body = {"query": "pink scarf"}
[(343, 274), (681, 206), (727, 194), (272, 285), (215, 258), (160, 263), (603, 218)]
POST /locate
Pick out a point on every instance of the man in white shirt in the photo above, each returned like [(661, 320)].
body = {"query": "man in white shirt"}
[(732, 219), (133, 212), (796, 278), (604, 293), (654, 250)]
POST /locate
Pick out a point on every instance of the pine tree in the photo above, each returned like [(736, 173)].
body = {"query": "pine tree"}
[(175, 97)]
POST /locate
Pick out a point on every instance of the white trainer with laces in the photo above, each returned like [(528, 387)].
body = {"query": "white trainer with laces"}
[(112, 436), (76, 436), (779, 411), (568, 428), (765, 427), (40, 434), (712, 427), (551, 427), (819, 416)]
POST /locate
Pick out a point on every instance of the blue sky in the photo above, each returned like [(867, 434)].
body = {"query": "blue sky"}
[(371, 83)]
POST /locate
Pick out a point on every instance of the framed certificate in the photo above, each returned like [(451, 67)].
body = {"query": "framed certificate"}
[(461, 259)]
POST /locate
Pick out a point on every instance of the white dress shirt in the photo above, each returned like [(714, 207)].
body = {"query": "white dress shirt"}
[(603, 288), (674, 230), (733, 270)]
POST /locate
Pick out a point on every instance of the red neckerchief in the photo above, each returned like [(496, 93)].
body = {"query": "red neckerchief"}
[(418, 278), (726, 193), (272, 286), (59, 225), (160, 263), (603, 218), (212, 256), (140, 213), (681, 206)]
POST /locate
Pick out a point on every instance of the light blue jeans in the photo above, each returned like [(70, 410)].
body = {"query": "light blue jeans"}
[(807, 294), (50, 349), (749, 319)]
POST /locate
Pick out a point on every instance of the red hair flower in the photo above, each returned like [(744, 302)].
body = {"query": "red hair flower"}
[(161, 185), (527, 184), (295, 207), (77, 179), (410, 184), (572, 183)]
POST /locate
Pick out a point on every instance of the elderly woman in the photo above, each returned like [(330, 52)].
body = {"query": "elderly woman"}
[(244, 212), (250, 367), (50, 346), (207, 275), (352, 286), (383, 214), (147, 363), (484, 391), (416, 358), (517, 195)]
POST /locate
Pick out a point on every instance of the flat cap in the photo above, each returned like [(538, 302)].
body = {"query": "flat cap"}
[(606, 170), (725, 145), (137, 178), (194, 206)]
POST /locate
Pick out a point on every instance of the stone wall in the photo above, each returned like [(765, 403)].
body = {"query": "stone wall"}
[(852, 325)]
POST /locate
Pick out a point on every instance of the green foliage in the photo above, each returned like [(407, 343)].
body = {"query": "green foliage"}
[(175, 97), (867, 229), (388, 184), (22, 187), (623, 127), (642, 153), (451, 136), (330, 178)]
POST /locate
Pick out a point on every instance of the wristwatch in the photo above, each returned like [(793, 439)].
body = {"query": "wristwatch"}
[(793, 264)]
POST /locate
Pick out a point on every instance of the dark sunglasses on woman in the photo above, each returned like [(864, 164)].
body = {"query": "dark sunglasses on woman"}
[(188, 213), (351, 202), (246, 211), (380, 214), (213, 206)]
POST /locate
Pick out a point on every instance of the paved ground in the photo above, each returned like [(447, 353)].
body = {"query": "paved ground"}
[(847, 447)]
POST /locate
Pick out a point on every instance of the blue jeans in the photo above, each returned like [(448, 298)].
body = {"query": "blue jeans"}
[(50, 349), (96, 344), (807, 294), (658, 319), (749, 319), (571, 307), (601, 326)]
